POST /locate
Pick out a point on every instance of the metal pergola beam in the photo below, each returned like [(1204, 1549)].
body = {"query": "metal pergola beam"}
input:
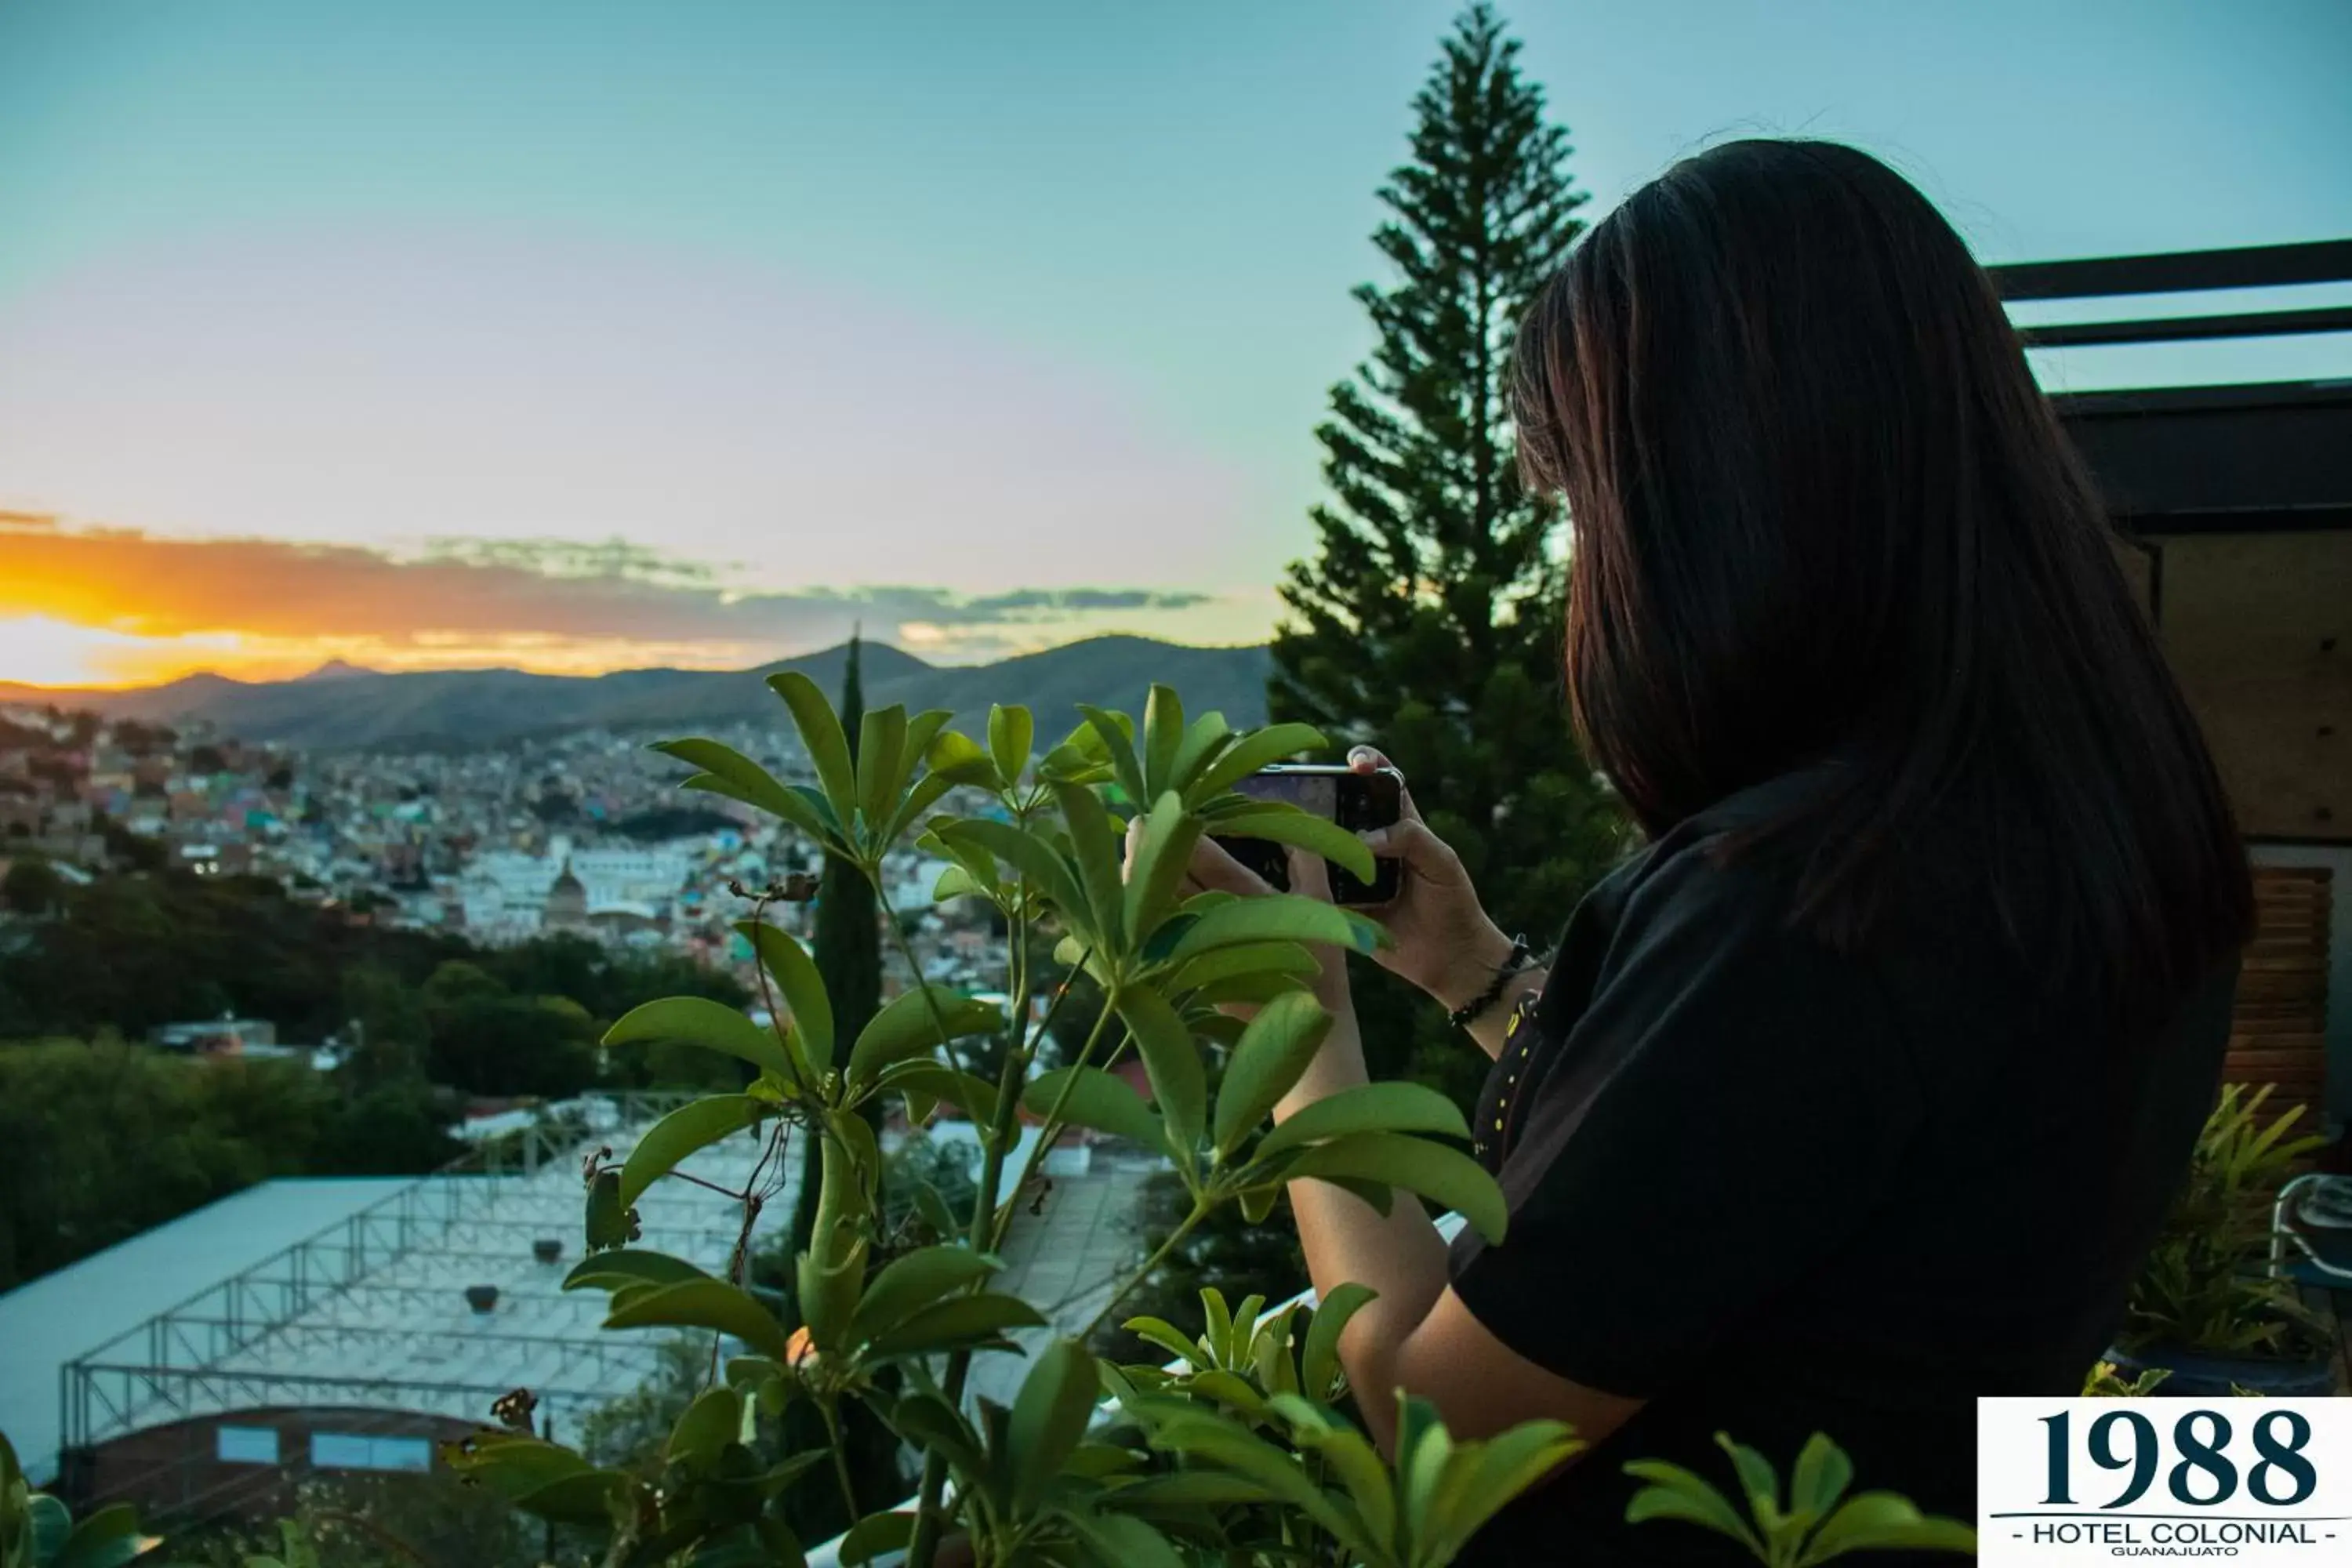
[(2178, 272), (2187, 328)]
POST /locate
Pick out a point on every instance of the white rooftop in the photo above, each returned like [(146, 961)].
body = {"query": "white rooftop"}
[(46, 1323)]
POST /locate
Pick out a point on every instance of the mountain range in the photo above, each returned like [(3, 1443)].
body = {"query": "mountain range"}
[(340, 706)]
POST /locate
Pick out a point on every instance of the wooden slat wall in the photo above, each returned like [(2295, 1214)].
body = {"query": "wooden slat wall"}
[(2278, 1032)]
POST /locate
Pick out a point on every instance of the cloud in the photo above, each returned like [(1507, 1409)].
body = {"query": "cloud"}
[(1013, 604), (539, 603)]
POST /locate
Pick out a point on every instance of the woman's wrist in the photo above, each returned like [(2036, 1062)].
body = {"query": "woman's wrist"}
[(1482, 959)]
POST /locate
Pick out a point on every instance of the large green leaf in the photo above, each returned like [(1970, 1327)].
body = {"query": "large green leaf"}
[(1280, 917), (1049, 1415), (1274, 1050), (881, 744), (1216, 1440), (821, 734), (910, 1025), (1204, 738), (1098, 1100), (1011, 734), (1758, 1480), (693, 1126), (873, 1536), (1120, 1541), (607, 1220), (515, 1463), (708, 1424), (1350, 1456), (1393, 1106), (1675, 1492), (1279, 822), (1115, 733), (1172, 1062), (912, 1282), (928, 1422), (108, 1538), (1822, 1474), (1028, 854), (1251, 751), (704, 1304), (1246, 961), (1163, 736), (628, 1268), (1097, 849), (796, 974), (699, 1021), (746, 780), (930, 1081), (1452, 1180), (1885, 1522), (1162, 851), (957, 1321), (1319, 1360), (1493, 1472), (911, 807), (957, 757)]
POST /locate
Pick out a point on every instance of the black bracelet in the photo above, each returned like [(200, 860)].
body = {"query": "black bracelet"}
[(1467, 1014)]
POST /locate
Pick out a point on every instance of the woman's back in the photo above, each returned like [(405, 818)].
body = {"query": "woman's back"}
[(1778, 1188)]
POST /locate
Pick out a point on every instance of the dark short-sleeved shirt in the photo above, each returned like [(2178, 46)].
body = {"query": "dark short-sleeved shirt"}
[(1773, 1188)]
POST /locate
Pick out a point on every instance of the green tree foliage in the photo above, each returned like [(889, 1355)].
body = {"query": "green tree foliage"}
[(1429, 621), (32, 887), (178, 1132), (489, 1040)]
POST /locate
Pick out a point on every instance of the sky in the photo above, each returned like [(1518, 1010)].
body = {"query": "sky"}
[(587, 336)]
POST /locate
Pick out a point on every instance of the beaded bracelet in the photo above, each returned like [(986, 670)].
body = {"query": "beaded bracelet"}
[(1468, 1013)]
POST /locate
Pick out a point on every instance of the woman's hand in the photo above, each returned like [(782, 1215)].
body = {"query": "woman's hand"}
[(1440, 938)]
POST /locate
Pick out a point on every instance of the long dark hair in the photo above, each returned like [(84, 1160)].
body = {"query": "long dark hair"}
[(1820, 510)]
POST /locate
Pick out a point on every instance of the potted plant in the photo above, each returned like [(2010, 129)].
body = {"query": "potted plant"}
[(548, 1249), (2206, 1310), (482, 1298)]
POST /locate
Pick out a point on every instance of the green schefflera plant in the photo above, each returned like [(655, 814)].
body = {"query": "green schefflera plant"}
[(38, 1531), (1270, 1469), (896, 1330), (1816, 1520)]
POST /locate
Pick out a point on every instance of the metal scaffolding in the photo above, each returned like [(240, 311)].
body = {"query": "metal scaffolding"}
[(388, 1309)]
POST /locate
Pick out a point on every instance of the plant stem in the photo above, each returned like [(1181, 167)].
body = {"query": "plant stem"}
[(906, 951), (1201, 1208), (1050, 1130), (923, 1546), (840, 1459)]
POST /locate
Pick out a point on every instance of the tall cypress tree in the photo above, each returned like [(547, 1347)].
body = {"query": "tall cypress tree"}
[(1429, 622), (846, 949), (847, 952), (848, 946)]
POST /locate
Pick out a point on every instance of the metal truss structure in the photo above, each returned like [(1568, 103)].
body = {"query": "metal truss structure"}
[(372, 1314)]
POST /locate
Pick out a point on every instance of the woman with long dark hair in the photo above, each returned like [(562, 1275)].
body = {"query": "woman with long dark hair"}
[(1860, 1091)]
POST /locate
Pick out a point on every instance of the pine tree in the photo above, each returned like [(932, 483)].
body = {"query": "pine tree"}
[(1429, 622)]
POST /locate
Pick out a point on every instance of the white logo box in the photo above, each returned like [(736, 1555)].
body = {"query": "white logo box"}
[(2250, 1481)]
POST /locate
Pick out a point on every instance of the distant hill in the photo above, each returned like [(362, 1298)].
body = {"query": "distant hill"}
[(343, 706)]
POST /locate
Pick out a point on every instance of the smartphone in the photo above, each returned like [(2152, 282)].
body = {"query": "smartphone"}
[(1353, 800)]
